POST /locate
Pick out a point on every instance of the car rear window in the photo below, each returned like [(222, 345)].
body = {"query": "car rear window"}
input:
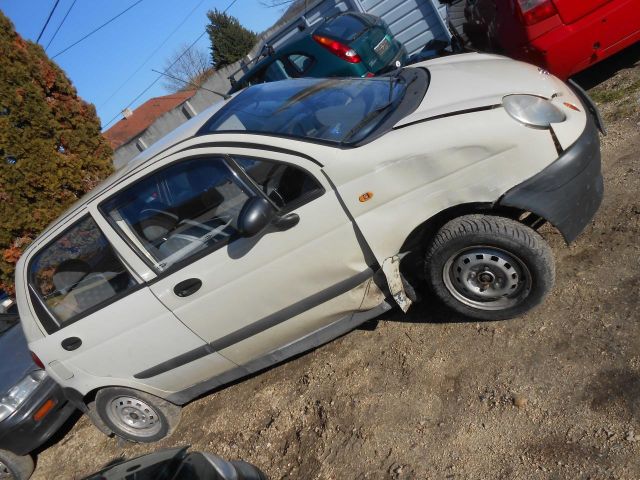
[(334, 110), (344, 27), (77, 272)]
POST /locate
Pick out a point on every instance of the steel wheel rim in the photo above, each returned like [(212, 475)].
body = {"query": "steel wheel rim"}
[(134, 416), (486, 278)]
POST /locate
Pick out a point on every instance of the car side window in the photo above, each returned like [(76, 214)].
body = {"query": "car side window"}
[(77, 272), (179, 211), (276, 71), (300, 62), (287, 186)]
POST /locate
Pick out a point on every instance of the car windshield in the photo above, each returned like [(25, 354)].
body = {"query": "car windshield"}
[(335, 110)]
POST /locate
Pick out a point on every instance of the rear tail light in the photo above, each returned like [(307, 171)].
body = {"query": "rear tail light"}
[(37, 361), (535, 11), (339, 49)]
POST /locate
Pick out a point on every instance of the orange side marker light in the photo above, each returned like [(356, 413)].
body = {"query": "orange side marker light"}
[(571, 106), (365, 196), (44, 409)]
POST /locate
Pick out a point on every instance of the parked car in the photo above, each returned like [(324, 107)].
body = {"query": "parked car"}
[(32, 405), (277, 220), (562, 36), (179, 464), (349, 44)]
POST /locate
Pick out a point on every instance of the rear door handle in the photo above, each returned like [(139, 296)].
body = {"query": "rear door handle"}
[(187, 287), (71, 343)]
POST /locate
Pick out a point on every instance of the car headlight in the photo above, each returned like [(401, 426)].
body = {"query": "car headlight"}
[(19, 393), (533, 111)]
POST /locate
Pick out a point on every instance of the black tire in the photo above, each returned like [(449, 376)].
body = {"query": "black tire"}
[(489, 268), (136, 416), (15, 467)]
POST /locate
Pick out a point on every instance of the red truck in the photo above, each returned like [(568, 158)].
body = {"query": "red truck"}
[(562, 36)]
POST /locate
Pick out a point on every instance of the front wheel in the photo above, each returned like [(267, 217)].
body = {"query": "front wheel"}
[(15, 467), (136, 416), (489, 268)]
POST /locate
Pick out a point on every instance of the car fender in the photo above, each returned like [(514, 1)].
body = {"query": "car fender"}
[(411, 174)]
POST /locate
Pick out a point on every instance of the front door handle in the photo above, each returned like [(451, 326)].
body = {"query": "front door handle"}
[(71, 343), (187, 287)]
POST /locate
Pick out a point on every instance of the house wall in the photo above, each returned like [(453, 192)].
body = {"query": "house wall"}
[(413, 22)]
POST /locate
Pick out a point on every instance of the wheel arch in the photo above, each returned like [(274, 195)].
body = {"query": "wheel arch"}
[(415, 244)]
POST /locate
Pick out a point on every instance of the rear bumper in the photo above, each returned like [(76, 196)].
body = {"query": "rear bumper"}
[(21, 434), (568, 192)]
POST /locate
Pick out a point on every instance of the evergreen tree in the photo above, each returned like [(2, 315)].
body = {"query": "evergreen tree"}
[(230, 41), (51, 149)]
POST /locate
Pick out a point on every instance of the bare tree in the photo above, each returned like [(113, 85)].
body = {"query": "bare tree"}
[(189, 66)]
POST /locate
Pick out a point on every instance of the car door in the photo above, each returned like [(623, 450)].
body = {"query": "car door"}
[(246, 297), (103, 323)]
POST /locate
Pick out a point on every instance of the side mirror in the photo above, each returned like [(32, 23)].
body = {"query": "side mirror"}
[(256, 214)]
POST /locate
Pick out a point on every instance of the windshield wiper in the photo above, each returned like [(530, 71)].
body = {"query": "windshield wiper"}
[(367, 118)]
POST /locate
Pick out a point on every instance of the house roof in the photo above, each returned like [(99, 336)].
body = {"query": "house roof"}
[(128, 128)]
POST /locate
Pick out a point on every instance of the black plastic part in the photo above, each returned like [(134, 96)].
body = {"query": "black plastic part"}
[(256, 214), (187, 287), (21, 434), (285, 222), (70, 344), (569, 191), (591, 107)]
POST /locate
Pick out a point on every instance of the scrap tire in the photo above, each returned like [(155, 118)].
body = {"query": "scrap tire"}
[(488, 267), (136, 416), (19, 466)]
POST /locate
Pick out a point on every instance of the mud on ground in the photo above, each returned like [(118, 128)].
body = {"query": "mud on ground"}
[(554, 394)]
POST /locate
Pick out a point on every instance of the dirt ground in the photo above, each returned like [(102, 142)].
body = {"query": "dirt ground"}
[(554, 394)]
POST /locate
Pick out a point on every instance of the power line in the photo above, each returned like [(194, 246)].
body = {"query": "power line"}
[(157, 78), (223, 95), (165, 70), (96, 29), (60, 25), (55, 5), (152, 54)]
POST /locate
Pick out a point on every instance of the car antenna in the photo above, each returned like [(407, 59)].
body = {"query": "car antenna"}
[(223, 95)]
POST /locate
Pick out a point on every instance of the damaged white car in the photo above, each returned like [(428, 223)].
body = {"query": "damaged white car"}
[(295, 211)]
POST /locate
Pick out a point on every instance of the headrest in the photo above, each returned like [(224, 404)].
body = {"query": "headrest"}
[(69, 273)]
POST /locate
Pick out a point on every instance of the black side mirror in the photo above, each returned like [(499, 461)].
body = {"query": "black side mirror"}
[(257, 214)]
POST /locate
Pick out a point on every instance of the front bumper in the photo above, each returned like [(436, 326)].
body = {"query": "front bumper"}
[(21, 434), (568, 192)]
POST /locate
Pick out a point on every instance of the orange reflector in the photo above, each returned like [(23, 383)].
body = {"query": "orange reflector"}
[(44, 409), (366, 196), (571, 106)]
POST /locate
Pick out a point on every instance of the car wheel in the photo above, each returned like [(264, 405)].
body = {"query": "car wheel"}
[(136, 416), (15, 467), (489, 268)]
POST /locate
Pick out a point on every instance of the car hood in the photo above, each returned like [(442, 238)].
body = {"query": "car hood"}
[(15, 359), (459, 83)]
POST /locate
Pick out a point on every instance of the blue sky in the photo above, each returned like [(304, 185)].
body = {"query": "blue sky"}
[(99, 65)]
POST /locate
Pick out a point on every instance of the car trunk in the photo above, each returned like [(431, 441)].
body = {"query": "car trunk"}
[(572, 10)]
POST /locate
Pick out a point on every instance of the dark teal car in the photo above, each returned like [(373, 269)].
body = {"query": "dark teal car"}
[(347, 45)]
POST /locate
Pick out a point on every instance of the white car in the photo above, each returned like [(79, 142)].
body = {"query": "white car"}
[(294, 211)]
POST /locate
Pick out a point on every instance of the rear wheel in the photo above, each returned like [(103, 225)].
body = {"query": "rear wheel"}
[(136, 416), (489, 268), (15, 467)]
